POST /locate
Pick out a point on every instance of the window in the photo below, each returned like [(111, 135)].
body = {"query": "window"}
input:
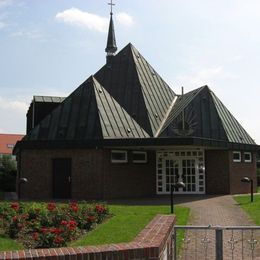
[(139, 157), (248, 157), (11, 146), (236, 156), (118, 156)]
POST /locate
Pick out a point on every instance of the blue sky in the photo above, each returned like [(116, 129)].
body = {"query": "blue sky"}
[(48, 47)]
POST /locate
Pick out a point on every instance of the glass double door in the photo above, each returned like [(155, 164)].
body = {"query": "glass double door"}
[(178, 169)]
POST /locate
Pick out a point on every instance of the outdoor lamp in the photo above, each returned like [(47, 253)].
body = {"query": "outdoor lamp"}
[(178, 185), (249, 180), (21, 181)]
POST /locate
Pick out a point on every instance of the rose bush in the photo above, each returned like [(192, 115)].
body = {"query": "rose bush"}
[(41, 225)]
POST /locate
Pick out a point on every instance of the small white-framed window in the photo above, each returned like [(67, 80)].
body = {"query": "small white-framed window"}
[(139, 157), (247, 157), (118, 156), (236, 156)]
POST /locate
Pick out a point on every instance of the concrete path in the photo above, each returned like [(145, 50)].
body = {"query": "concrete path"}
[(219, 211), (215, 211)]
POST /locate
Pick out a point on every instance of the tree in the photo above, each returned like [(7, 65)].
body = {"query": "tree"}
[(8, 171)]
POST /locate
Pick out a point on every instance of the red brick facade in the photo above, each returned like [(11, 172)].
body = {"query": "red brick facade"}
[(223, 176), (95, 177), (153, 243)]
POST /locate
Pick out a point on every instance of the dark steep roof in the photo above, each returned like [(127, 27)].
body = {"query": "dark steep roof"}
[(235, 132), (138, 88), (89, 112), (127, 99), (204, 115)]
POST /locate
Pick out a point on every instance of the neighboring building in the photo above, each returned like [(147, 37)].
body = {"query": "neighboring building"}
[(125, 133), (7, 143)]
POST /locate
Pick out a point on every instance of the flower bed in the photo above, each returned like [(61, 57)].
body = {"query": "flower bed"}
[(41, 225)]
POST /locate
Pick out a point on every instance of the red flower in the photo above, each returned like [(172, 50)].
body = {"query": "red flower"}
[(64, 223), (58, 240), (100, 208), (72, 223), (55, 231), (15, 218), (44, 230), (90, 218), (36, 236), (74, 206), (51, 206), (15, 206)]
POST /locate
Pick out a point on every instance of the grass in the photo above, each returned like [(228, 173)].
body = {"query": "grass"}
[(252, 208), (127, 223), (124, 226), (8, 244)]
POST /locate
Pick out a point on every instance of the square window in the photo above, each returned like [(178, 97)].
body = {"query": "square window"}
[(118, 156), (236, 156), (139, 157), (248, 157)]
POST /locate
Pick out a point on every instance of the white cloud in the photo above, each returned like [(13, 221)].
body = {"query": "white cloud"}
[(93, 22), (204, 76), (13, 115), (5, 2), (34, 34), (125, 19), (13, 105), (74, 16), (2, 25)]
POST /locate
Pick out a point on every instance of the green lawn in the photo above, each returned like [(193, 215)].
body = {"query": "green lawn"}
[(127, 222), (8, 244), (252, 208)]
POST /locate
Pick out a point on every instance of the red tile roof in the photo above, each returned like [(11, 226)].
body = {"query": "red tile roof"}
[(8, 141)]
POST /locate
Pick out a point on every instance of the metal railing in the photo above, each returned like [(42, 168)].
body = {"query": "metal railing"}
[(217, 242)]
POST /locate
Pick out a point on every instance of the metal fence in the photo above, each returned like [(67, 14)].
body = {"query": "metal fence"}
[(216, 242)]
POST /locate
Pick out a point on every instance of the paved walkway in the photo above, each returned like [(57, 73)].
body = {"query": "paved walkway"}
[(219, 211), (215, 211)]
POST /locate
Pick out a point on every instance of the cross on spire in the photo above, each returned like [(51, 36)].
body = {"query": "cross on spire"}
[(111, 5)]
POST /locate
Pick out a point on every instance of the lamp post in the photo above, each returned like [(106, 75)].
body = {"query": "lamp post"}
[(249, 180), (178, 185), (21, 181)]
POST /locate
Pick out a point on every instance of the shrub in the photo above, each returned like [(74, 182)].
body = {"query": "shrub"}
[(8, 171), (49, 225)]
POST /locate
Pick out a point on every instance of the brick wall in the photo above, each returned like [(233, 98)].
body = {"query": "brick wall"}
[(130, 179), (87, 173), (153, 243), (238, 170), (217, 172)]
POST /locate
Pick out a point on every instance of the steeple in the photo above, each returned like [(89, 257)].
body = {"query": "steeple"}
[(111, 39)]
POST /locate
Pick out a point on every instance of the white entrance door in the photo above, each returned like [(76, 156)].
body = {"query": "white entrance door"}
[(173, 167)]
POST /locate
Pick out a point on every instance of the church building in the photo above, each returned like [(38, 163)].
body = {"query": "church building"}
[(125, 133)]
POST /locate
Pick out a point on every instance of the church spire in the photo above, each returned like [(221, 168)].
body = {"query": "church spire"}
[(111, 39)]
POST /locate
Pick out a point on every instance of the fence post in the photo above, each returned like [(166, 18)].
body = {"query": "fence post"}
[(219, 243)]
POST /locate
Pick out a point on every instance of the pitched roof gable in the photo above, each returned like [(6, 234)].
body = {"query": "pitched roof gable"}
[(115, 121), (137, 87), (235, 132), (89, 112), (202, 114)]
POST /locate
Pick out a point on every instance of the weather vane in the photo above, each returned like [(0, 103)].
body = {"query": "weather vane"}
[(111, 4)]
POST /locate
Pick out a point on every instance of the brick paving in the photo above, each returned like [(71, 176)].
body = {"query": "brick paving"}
[(218, 211), (215, 211)]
